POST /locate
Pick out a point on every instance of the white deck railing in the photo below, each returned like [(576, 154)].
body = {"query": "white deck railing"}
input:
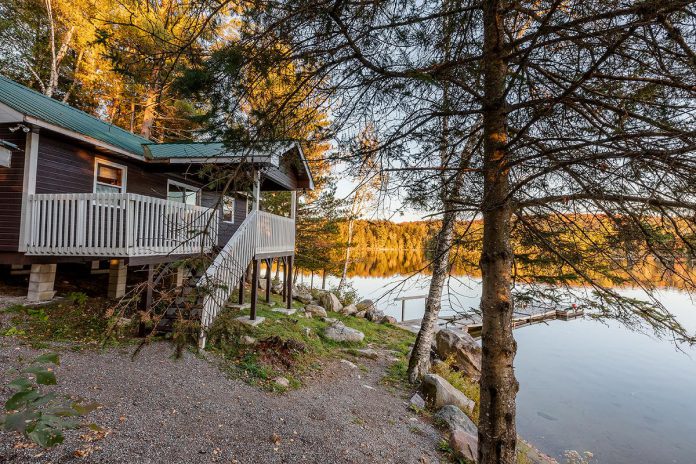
[(117, 225), (261, 233)]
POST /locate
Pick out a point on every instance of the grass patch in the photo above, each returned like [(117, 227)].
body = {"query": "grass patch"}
[(467, 386), (294, 346), (75, 319)]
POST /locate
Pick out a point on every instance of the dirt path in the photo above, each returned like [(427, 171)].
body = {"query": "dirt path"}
[(161, 410)]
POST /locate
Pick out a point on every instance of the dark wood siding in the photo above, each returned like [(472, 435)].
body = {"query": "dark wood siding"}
[(66, 167), (226, 229), (11, 180)]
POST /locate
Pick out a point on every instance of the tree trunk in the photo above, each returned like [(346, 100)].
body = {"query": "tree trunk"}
[(419, 363), (349, 242), (497, 431), (149, 114)]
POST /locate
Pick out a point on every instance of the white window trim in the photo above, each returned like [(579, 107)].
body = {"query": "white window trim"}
[(186, 186), (234, 208), (124, 169)]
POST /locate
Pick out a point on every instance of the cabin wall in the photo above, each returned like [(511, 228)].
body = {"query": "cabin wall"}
[(11, 179), (226, 229), (66, 167)]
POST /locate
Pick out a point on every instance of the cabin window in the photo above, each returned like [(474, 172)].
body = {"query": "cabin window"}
[(228, 204), (5, 157), (182, 193), (109, 177)]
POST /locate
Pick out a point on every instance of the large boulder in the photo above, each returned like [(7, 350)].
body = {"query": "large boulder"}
[(339, 332), (438, 392), (277, 288), (366, 305), (463, 349), (305, 298), (454, 419), (349, 310), (388, 320), (263, 283), (315, 310), (330, 302), (374, 315), (464, 445)]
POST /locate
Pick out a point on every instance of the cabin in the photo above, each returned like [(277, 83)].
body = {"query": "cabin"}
[(74, 188)]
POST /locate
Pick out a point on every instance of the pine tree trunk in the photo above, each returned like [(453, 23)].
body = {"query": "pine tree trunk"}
[(419, 363), (346, 261), (497, 431)]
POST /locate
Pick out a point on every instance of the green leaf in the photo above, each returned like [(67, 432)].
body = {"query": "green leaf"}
[(20, 384), (19, 421), (46, 436), (43, 376), (48, 358), (84, 409), (19, 399)]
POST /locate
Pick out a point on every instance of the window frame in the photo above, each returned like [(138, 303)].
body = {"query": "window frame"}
[(106, 162), (193, 188), (234, 208)]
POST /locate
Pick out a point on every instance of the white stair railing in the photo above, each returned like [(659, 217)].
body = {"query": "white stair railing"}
[(227, 270), (261, 233)]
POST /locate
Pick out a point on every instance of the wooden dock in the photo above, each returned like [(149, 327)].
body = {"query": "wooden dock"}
[(472, 323)]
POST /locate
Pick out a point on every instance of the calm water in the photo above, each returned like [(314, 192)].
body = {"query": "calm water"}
[(625, 396)]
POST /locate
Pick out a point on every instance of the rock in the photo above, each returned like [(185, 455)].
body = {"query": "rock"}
[(349, 310), (464, 350), (277, 288), (341, 333), (262, 284), (388, 320), (366, 305), (438, 392), (315, 310), (247, 340), (417, 401), (464, 445), (454, 418), (307, 332), (123, 322), (329, 319), (330, 302), (349, 364), (361, 314), (307, 314), (281, 382), (374, 315), (305, 298), (367, 353)]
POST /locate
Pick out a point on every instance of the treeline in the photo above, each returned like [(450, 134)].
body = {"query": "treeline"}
[(387, 235)]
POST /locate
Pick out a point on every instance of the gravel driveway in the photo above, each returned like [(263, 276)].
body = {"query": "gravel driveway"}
[(161, 410)]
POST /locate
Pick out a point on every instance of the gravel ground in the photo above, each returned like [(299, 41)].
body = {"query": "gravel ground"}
[(161, 410)]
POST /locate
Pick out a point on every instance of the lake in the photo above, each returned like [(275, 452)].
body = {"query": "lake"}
[(585, 385)]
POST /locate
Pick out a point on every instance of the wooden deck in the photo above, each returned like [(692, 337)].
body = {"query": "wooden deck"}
[(472, 323)]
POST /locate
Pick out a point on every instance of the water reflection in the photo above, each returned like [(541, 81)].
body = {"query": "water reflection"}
[(626, 396)]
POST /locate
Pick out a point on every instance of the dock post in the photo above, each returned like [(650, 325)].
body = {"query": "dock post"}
[(403, 310)]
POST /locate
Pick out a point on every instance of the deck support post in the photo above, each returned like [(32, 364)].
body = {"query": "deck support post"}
[(150, 285), (288, 282), (179, 276), (254, 288), (269, 282), (41, 280), (241, 290), (285, 276), (118, 271)]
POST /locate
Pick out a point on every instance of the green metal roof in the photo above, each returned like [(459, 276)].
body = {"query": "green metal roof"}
[(185, 150), (34, 104), (209, 150)]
